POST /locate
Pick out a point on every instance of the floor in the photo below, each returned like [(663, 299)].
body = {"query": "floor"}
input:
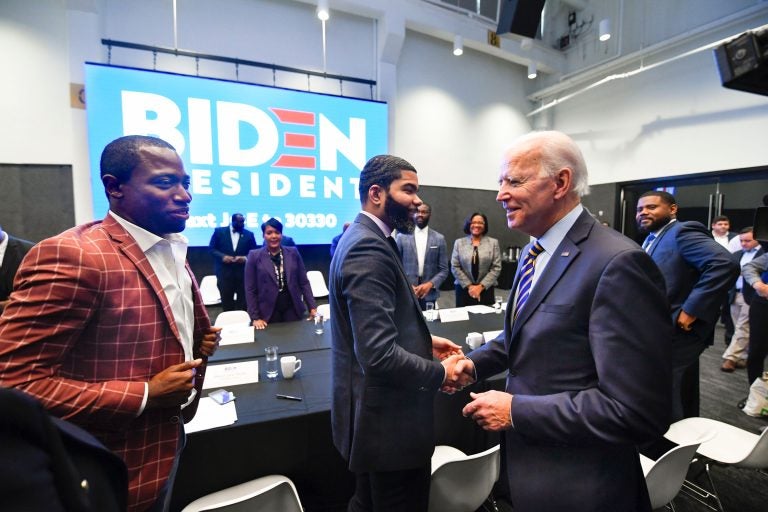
[(740, 490)]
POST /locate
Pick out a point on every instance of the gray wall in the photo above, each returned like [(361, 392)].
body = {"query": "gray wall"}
[(36, 201)]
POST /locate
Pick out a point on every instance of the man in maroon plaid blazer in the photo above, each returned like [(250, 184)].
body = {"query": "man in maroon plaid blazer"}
[(106, 326)]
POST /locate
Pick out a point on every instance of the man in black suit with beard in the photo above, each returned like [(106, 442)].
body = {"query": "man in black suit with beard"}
[(384, 377)]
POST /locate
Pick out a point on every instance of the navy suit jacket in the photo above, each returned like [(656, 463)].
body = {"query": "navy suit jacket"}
[(435, 261), (221, 245), (261, 288), (588, 368), (698, 272), (383, 376), (14, 253)]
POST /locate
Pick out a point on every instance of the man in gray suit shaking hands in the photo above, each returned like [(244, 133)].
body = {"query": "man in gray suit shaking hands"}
[(384, 374), (586, 344), (425, 257)]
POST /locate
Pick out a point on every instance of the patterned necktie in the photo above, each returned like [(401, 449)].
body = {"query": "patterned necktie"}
[(526, 276), (648, 241)]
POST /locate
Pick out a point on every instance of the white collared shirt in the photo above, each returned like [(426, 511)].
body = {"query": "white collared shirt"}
[(235, 238), (420, 239), (382, 225), (657, 233), (167, 256), (722, 240)]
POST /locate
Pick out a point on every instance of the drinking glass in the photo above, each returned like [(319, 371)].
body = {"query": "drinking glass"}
[(272, 363), (430, 314), (497, 303)]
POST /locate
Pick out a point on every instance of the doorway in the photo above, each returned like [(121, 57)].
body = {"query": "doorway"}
[(734, 194)]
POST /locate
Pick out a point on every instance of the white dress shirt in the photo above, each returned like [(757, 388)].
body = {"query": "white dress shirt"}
[(420, 238), (167, 256), (550, 241), (235, 238)]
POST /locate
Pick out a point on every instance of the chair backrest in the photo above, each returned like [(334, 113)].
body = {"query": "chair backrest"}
[(758, 457), (317, 283), (325, 310), (272, 493), (472, 476), (232, 317), (666, 475), (210, 291)]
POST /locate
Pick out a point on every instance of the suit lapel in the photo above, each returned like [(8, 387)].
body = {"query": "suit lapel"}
[(130, 248), (265, 262), (565, 254), (363, 219), (663, 233)]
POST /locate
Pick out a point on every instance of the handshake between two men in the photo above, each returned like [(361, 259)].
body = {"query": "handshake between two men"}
[(492, 410)]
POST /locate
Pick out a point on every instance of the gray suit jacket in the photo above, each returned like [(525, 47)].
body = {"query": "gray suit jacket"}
[(490, 261), (435, 261), (383, 376), (589, 373)]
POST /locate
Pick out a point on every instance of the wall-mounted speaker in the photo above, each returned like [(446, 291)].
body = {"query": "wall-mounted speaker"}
[(743, 62), (520, 17)]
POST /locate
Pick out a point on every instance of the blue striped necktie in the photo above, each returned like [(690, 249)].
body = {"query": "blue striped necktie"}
[(526, 276)]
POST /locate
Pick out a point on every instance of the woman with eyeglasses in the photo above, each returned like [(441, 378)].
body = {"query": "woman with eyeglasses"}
[(475, 263)]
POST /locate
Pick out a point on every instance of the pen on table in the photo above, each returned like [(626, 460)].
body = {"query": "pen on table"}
[(289, 397)]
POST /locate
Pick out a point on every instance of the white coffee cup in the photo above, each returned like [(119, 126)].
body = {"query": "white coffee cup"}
[(289, 365), (474, 340)]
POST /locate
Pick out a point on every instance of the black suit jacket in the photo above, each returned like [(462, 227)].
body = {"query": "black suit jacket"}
[(44, 461), (14, 253), (383, 376), (221, 245)]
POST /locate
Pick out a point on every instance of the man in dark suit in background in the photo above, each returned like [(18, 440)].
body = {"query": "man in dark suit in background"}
[(735, 356), (230, 247), (12, 251), (425, 258), (698, 273), (383, 376), (588, 378)]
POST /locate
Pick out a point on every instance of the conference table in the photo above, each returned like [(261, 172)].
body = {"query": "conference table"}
[(293, 438)]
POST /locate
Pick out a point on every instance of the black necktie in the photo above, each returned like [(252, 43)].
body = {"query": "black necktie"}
[(394, 245)]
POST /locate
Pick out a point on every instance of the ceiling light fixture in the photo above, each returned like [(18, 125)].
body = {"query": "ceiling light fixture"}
[(532, 70), (605, 29), (458, 45), (322, 10)]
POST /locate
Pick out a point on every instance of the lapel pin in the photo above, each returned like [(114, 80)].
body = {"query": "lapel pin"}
[(566, 253)]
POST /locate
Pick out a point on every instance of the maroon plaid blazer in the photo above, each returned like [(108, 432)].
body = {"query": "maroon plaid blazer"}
[(87, 325)]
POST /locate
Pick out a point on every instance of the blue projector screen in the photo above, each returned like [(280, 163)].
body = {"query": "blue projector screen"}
[(260, 151)]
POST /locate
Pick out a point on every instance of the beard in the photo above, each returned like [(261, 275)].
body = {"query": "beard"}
[(654, 226), (399, 216)]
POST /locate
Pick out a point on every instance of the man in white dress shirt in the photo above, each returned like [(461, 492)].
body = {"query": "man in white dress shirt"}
[(425, 257)]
